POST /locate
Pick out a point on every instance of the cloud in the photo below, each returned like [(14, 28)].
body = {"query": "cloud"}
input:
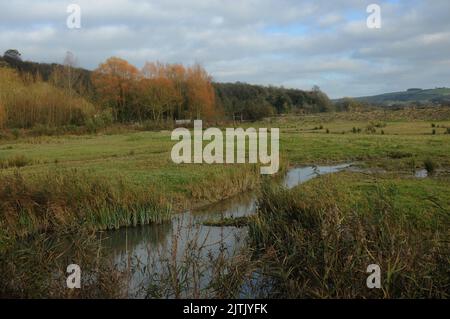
[(280, 42)]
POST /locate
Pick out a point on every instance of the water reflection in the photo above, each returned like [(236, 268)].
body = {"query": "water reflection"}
[(142, 249)]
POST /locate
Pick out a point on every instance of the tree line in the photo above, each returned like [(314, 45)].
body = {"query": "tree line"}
[(156, 92)]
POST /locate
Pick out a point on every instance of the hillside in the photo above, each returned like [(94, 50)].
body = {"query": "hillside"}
[(439, 96)]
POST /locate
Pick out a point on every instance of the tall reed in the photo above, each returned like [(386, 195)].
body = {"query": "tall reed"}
[(70, 199), (316, 241)]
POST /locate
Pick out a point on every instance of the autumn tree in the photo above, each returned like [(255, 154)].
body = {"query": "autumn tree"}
[(159, 91), (116, 82), (177, 74), (200, 93)]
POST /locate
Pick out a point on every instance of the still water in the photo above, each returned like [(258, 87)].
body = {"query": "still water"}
[(145, 251)]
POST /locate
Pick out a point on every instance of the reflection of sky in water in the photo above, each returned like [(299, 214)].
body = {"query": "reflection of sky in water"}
[(141, 248), (300, 175)]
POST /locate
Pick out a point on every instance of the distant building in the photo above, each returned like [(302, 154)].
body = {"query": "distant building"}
[(13, 54)]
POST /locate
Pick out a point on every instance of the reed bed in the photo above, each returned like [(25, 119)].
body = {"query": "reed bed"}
[(71, 199), (316, 241)]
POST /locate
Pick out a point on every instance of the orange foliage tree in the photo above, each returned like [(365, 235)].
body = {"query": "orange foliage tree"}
[(200, 93), (157, 92), (116, 84)]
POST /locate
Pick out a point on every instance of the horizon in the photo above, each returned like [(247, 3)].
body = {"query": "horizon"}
[(289, 44)]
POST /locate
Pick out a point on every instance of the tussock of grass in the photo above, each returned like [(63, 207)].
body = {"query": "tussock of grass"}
[(430, 166), (15, 161), (65, 199), (317, 241)]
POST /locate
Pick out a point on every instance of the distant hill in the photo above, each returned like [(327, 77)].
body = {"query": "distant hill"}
[(414, 96)]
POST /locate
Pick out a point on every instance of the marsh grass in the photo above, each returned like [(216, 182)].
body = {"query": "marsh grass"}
[(226, 184), (36, 268), (317, 240), (70, 199)]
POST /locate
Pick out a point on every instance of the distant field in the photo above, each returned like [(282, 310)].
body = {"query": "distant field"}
[(144, 157)]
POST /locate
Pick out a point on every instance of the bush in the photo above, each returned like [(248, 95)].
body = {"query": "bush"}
[(99, 121)]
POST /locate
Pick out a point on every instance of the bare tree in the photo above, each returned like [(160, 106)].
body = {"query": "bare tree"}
[(70, 62)]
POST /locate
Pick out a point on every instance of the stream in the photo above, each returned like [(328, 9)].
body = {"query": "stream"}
[(145, 251)]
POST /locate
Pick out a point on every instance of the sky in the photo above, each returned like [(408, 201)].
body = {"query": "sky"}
[(290, 43)]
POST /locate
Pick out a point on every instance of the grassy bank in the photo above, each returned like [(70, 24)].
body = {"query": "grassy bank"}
[(316, 240)]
